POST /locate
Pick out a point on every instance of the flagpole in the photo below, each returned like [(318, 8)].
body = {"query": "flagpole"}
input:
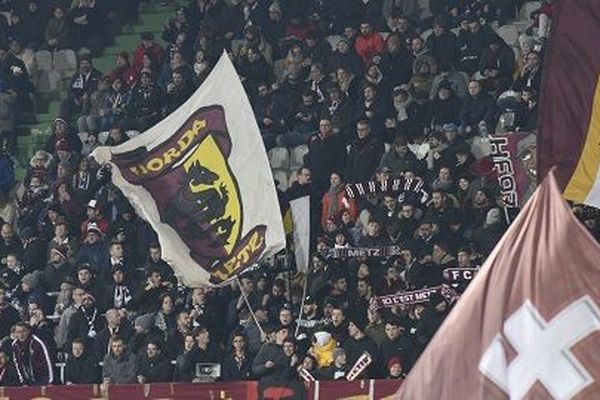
[(237, 279), (302, 304)]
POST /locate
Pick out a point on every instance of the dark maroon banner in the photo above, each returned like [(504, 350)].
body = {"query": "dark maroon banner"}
[(330, 390)]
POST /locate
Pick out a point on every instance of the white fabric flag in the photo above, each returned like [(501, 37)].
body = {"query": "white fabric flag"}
[(202, 179), (300, 209)]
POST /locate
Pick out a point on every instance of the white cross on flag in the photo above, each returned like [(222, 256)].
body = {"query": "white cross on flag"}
[(528, 327)]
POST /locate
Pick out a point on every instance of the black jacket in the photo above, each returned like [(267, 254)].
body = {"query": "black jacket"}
[(232, 371), (156, 369), (365, 155), (324, 157), (84, 369), (279, 373)]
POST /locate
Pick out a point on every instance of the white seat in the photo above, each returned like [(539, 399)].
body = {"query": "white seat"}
[(65, 62), (281, 177), (43, 59), (387, 147), (509, 33), (426, 34), (132, 134), (297, 156), (279, 158), (103, 137), (293, 177), (528, 8), (279, 70), (333, 40), (48, 81)]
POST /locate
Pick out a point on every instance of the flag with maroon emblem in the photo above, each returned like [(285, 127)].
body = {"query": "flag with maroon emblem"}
[(528, 326), (201, 178)]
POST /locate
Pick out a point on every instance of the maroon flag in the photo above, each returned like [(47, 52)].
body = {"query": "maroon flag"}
[(528, 326), (514, 157)]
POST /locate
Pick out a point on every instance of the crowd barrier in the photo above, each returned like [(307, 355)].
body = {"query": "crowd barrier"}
[(320, 390)]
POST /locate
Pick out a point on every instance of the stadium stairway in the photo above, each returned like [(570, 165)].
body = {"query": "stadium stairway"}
[(32, 136)]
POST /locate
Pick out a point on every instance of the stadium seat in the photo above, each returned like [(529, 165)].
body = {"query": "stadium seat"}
[(279, 158), (65, 62), (387, 147), (333, 40), (509, 34), (297, 156), (528, 8), (103, 137), (426, 34), (279, 70), (43, 59), (292, 178), (281, 177), (48, 81)]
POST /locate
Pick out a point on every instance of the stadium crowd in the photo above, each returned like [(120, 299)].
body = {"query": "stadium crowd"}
[(83, 279)]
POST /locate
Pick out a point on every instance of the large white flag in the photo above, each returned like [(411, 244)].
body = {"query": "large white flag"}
[(201, 178)]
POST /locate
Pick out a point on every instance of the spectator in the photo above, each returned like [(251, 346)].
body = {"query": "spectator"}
[(442, 43), (478, 107), (497, 66), (154, 366), (364, 155), (237, 365), (56, 32), (116, 325), (327, 153), (8, 315), (8, 373), (338, 369), (185, 368), (369, 43), (148, 47), (82, 366), (31, 357), (120, 365), (271, 365), (83, 83), (530, 76), (85, 323)]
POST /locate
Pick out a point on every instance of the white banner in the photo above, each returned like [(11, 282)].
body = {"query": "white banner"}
[(201, 178)]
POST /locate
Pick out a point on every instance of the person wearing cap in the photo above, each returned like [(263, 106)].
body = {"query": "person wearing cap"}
[(395, 369), (94, 219), (479, 106), (358, 343), (57, 270), (445, 107), (487, 236), (338, 369), (86, 323), (119, 292)]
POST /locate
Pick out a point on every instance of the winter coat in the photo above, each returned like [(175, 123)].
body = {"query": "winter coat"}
[(397, 164), (324, 157), (368, 46), (32, 361), (156, 369), (84, 369), (232, 371), (122, 369), (280, 372), (476, 109), (365, 155)]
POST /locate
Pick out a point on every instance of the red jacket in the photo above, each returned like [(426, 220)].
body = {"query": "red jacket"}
[(343, 203), (138, 57), (368, 46)]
